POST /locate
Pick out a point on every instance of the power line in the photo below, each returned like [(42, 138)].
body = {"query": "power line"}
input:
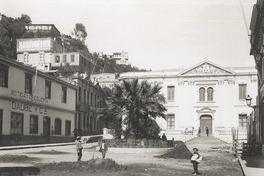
[(243, 13)]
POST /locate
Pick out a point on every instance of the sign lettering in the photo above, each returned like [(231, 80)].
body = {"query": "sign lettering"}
[(28, 108), (29, 96)]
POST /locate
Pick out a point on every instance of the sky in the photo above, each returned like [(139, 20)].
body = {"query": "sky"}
[(157, 34)]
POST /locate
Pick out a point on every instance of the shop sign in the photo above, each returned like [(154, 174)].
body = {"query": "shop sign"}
[(26, 107), (28, 96)]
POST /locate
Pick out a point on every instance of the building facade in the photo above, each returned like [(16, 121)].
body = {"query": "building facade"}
[(37, 52), (105, 79), (78, 59), (257, 50), (121, 58), (203, 96), (35, 107), (48, 54)]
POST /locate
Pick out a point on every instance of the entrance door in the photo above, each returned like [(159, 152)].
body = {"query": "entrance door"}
[(206, 121), (1, 125), (46, 129)]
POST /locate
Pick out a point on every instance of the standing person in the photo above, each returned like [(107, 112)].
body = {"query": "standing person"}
[(164, 138), (199, 132), (196, 158), (207, 131), (79, 147), (103, 148)]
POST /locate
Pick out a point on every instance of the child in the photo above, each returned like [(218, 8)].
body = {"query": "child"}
[(195, 160), (103, 148), (79, 147)]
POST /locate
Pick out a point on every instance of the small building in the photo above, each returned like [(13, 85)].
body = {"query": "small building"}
[(41, 27), (105, 79), (78, 59), (48, 54), (121, 58), (37, 51), (35, 107)]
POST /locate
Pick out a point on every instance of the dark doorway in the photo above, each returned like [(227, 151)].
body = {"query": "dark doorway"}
[(46, 129), (206, 121), (1, 125)]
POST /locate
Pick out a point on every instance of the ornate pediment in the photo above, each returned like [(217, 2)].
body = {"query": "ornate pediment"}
[(206, 68)]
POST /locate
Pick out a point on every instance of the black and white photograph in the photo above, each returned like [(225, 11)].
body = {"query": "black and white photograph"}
[(132, 87)]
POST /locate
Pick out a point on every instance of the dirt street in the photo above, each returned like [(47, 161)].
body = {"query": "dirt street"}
[(218, 160)]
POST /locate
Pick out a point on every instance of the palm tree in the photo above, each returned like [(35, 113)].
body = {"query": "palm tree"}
[(136, 105)]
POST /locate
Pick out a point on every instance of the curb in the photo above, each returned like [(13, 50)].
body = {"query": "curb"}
[(243, 166), (35, 146)]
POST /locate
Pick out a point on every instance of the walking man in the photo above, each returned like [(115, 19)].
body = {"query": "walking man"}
[(207, 131), (79, 147)]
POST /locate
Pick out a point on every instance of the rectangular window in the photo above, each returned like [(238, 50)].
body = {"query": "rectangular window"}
[(64, 58), (88, 98), (33, 124), (28, 83), (16, 123), (95, 101), (57, 59), (67, 127), (242, 91), (170, 93), (3, 75), (91, 99), (80, 94), (25, 57), (42, 56), (84, 96), (48, 90), (87, 121), (64, 95), (84, 118), (242, 121), (57, 126), (72, 58), (170, 121)]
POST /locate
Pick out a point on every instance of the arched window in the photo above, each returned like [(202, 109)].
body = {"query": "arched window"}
[(210, 93), (58, 126), (201, 94)]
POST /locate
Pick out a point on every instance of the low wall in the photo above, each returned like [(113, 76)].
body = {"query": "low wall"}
[(11, 140), (139, 150), (137, 143)]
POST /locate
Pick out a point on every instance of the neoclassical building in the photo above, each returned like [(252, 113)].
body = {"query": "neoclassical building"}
[(203, 96)]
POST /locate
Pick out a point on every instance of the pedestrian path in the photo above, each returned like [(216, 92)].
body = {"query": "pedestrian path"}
[(205, 143), (251, 166)]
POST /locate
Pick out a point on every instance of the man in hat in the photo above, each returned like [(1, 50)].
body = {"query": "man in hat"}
[(79, 147)]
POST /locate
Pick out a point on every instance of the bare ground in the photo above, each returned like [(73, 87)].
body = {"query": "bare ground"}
[(218, 161)]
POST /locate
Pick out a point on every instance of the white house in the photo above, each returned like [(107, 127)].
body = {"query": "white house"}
[(35, 107), (205, 95)]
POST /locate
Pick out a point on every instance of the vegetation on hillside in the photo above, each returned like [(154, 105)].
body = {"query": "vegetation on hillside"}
[(12, 29)]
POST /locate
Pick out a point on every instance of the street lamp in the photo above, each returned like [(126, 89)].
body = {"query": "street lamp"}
[(248, 101)]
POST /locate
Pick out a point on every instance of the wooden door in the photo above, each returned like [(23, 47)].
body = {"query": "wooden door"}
[(206, 121), (1, 125), (46, 129)]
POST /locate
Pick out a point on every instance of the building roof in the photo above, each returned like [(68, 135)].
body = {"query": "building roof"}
[(202, 69)]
